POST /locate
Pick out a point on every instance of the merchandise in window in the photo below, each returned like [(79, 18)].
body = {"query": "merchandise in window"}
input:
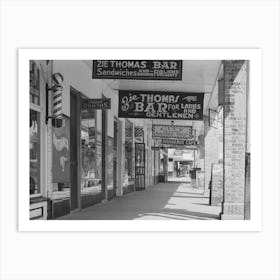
[(90, 173), (34, 87), (34, 146)]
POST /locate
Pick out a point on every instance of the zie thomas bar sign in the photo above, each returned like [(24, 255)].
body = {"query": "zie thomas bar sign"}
[(161, 105), (137, 69)]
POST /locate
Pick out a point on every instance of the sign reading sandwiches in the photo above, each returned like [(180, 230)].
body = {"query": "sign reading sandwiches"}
[(161, 105), (137, 69)]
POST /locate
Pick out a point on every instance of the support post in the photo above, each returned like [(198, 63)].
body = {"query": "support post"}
[(235, 91)]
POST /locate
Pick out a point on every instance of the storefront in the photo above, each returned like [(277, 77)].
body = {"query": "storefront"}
[(91, 141), (78, 156)]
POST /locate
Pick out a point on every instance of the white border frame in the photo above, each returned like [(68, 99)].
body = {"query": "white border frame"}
[(255, 57)]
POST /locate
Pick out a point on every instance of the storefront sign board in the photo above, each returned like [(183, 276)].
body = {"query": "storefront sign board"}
[(161, 105), (137, 69), (95, 104), (172, 132), (178, 142)]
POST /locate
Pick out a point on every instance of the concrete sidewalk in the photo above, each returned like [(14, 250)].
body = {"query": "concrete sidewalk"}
[(164, 201)]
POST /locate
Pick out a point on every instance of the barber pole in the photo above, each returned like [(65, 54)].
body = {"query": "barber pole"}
[(57, 101), (57, 95)]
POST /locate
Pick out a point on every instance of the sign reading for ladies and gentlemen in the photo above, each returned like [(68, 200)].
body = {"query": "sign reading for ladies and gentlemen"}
[(161, 105), (137, 69), (95, 104), (171, 132)]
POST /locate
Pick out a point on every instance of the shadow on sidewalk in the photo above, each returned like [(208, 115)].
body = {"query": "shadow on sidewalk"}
[(151, 203), (182, 214)]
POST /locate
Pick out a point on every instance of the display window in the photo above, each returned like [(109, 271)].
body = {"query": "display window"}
[(61, 160), (34, 77), (90, 156), (34, 148), (35, 130)]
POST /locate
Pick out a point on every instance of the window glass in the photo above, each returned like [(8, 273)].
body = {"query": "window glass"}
[(34, 147), (34, 77), (90, 156), (61, 160)]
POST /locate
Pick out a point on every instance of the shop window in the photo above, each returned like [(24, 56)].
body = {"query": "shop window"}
[(61, 160), (90, 156), (34, 78), (34, 147)]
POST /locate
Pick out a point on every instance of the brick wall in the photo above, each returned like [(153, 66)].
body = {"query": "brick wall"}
[(216, 193), (235, 79)]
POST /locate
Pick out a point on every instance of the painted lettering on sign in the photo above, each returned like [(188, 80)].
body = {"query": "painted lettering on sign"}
[(177, 142), (161, 105), (172, 132), (95, 104), (137, 69)]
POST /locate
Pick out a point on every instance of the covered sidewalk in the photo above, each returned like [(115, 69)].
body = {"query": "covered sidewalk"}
[(164, 201)]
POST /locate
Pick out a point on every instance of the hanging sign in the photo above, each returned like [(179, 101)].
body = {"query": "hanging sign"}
[(178, 142), (215, 118), (160, 131), (95, 104), (137, 69), (163, 147), (161, 105)]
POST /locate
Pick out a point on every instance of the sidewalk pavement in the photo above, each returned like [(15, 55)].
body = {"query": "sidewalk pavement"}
[(164, 201)]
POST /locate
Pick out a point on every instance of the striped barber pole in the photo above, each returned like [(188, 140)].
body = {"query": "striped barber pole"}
[(57, 101), (57, 95)]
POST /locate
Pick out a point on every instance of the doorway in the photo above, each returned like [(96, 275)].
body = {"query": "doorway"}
[(139, 166), (115, 150)]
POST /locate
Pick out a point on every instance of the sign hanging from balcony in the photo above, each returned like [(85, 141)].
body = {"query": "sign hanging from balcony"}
[(172, 132), (137, 69), (161, 105)]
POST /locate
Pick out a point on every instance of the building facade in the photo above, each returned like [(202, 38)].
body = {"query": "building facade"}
[(81, 157)]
